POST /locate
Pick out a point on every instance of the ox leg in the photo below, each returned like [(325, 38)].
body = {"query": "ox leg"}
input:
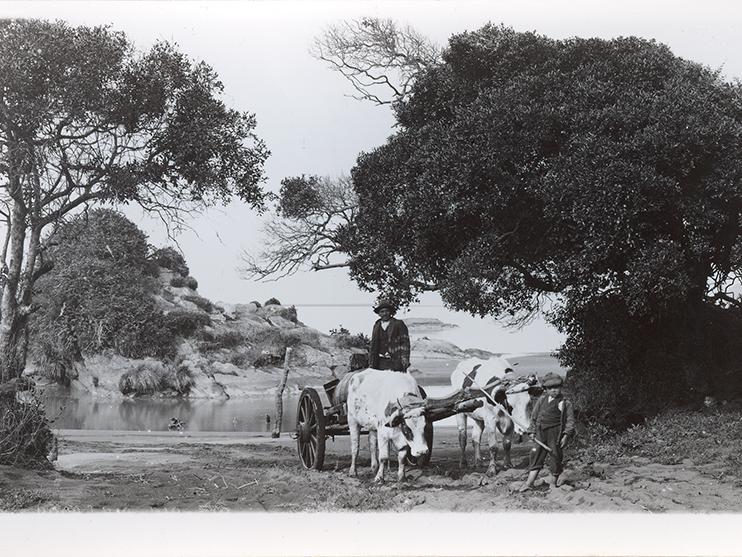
[(401, 456), (492, 441), (461, 424), (383, 442), (355, 446), (507, 443), (373, 445), (506, 428), (477, 429)]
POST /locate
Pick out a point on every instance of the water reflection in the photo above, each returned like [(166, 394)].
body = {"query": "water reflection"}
[(236, 414), (245, 414)]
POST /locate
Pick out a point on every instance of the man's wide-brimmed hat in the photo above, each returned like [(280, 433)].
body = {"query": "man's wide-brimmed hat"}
[(385, 304), (551, 380)]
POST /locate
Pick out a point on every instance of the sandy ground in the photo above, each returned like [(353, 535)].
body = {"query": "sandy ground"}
[(105, 470)]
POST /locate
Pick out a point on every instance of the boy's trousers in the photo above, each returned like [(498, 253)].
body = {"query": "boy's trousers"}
[(550, 438)]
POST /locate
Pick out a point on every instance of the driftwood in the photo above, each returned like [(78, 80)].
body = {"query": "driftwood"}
[(279, 394)]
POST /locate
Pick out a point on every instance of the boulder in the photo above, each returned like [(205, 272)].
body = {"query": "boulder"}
[(225, 368), (427, 348), (282, 322), (207, 387)]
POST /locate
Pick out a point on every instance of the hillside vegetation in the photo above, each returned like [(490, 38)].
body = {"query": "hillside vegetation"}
[(118, 317)]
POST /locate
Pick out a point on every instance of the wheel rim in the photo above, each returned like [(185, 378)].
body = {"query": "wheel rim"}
[(307, 429), (310, 430)]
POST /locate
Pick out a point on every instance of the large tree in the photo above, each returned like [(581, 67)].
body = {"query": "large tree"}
[(600, 176), (86, 118)]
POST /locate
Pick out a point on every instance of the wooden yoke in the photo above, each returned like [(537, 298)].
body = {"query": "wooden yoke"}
[(463, 400)]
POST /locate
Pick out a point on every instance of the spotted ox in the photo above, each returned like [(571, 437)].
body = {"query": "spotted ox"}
[(388, 405), (511, 393)]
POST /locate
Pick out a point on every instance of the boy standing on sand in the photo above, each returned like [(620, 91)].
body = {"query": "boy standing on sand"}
[(552, 423)]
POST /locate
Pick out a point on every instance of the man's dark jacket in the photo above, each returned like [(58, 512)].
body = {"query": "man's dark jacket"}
[(399, 344)]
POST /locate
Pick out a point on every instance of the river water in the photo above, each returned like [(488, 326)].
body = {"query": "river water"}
[(249, 414)]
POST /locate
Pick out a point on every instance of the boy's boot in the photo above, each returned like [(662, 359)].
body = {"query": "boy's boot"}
[(529, 481)]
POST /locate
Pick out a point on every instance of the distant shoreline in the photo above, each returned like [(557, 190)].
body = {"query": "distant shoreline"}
[(360, 305)]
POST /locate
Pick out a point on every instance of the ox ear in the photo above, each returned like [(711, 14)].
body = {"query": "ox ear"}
[(393, 415)]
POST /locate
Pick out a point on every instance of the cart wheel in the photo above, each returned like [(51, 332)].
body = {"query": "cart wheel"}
[(428, 434), (310, 430)]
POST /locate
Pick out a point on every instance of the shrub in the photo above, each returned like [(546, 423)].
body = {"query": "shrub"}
[(142, 380), (268, 345), (229, 339), (187, 282), (179, 380), (25, 436), (239, 359), (343, 339), (272, 302), (170, 258), (185, 323), (148, 379), (209, 341), (201, 302)]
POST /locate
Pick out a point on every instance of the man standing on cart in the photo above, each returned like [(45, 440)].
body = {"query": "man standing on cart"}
[(390, 341)]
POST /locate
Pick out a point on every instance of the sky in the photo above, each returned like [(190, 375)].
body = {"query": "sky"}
[(305, 114)]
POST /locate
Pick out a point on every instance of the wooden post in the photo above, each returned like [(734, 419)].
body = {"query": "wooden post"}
[(279, 394)]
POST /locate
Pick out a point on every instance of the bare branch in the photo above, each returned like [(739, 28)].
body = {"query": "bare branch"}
[(309, 239), (378, 58)]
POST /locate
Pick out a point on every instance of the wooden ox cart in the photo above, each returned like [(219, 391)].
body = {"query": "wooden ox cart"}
[(322, 413)]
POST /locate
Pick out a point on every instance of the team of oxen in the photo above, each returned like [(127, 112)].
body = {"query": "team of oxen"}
[(390, 407)]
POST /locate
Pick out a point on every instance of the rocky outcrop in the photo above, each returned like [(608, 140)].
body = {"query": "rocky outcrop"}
[(418, 325), (224, 350), (435, 348)]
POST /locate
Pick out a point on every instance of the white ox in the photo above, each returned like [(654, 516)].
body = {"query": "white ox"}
[(492, 375), (389, 406)]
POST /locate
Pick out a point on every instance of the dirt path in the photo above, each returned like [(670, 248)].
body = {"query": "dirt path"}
[(181, 471)]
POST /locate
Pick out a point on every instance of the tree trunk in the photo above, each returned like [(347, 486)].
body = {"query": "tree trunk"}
[(11, 320), (279, 394)]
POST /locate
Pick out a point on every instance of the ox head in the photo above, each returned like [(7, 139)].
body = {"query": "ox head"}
[(521, 397), (408, 414)]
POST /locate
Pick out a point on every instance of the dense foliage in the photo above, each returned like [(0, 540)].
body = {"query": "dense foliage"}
[(99, 294), (596, 180)]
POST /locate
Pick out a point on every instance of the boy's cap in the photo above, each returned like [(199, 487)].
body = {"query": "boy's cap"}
[(551, 380)]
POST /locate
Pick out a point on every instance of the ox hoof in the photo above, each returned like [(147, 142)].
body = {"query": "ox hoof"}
[(507, 465), (352, 473), (524, 488), (492, 470), (379, 480), (463, 464)]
